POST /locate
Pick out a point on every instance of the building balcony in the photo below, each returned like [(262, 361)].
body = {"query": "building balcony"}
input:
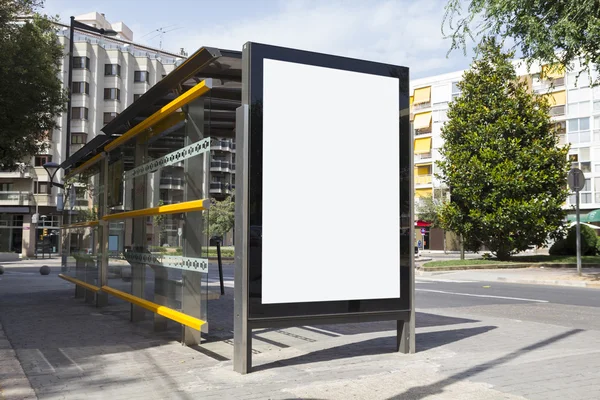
[(171, 183), (44, 200), (80, 125), (422, 156), (220, 166), (557, 111), (26, 174), (548, 85), (423, 180), (421, 106), (222, 144), (16, 199), (424, 131), (221, 188)]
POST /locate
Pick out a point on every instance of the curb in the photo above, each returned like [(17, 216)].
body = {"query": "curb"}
[(504, 266), (579, 284)]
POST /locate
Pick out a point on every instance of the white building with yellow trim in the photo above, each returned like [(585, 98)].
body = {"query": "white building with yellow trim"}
[(575, 108)]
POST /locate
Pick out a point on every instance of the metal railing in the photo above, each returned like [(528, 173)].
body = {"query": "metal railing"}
[(424, 131), (423, 179), (171, 181), (422, 156), (219, 164), (557, 111), (421, 106), (16, 198)]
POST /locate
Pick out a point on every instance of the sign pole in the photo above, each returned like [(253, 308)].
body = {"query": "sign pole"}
[(578, 233), (576, 181)]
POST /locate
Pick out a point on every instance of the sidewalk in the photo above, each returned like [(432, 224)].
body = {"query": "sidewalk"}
[(590, 277), (70, 350)]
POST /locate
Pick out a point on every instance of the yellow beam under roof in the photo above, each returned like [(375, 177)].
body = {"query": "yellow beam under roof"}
[(422, 95), (186, 98), (422, 120), (187, 206)]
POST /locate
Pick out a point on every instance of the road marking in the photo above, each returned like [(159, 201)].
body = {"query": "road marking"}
[(482, 295), (443, 280)]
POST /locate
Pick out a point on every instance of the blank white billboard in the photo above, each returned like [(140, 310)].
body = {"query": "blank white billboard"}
[(331, 195)]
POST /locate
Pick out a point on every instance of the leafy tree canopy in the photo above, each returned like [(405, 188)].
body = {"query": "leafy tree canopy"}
[(428, 210), (31, 94), (501, 160), (545, 30), (221, 217)]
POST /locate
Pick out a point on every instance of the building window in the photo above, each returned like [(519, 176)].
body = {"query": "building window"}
[(78, 138), (41, 187), (596, 190), (39, 161), (6, 187), (141, 76), (79, 113), (112, 94), (455, 90), (81, 63), (109, 116), (112, 70), (580, 158), (578, 130), (81, 87), (137, 96)]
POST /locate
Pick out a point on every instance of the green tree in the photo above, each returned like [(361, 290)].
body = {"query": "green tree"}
[(221, 217), (501, 160), (31, 94), (548, 31), (428, 210)]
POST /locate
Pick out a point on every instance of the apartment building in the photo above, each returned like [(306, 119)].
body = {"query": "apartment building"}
[(109, 73), (575, 109)]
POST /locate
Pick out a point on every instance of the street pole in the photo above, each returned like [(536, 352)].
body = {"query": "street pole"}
[(578, 233), (69, 88)]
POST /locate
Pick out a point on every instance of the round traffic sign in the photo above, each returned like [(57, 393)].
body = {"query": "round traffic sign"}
[(576, 179)]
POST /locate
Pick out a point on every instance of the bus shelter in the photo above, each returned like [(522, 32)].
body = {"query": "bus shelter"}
[(305, 126)]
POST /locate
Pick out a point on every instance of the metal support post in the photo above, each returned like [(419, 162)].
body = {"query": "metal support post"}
[(242, 333), (220, 262)]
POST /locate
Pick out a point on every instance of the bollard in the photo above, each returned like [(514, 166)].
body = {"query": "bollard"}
[(1, 269), (45, 270)]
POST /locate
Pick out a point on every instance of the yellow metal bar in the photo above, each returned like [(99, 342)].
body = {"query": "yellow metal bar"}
[(81, 225), (180, 101), (93, 288), (187, 206), (167, 312), (85, 165)]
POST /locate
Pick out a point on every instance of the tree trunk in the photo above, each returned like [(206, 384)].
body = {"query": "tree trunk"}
[(462, 247), (503, 255)]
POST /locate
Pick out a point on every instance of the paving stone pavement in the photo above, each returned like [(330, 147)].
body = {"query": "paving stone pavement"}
[(58, 347)]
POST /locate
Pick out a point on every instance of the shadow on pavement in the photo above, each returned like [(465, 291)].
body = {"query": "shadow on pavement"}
[(377, 346), (437, 388)]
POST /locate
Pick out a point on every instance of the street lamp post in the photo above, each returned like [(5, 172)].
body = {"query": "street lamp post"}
[(51, 169), (77, 25)]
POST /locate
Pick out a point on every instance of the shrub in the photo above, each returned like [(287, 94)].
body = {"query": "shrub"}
[(598, 245), (588, 240), (559, 248)]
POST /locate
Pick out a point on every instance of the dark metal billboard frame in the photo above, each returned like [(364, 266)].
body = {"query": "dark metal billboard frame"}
[(249, 311)]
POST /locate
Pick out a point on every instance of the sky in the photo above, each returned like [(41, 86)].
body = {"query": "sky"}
[(400, 32)]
